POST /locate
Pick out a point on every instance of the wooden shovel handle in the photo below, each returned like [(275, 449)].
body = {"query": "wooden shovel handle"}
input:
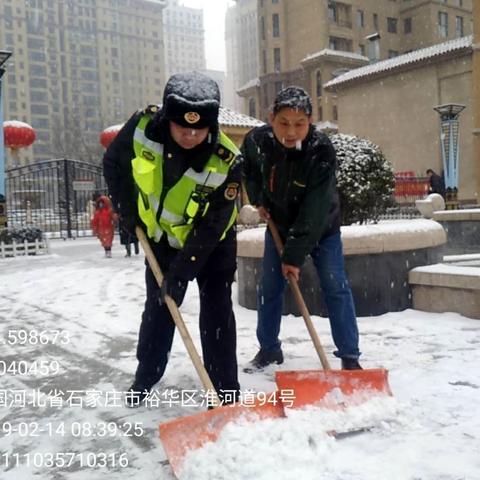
[(177, 318), (300, 301)]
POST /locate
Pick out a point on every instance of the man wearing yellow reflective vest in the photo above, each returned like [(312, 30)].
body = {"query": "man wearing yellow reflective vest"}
[(173, 172)]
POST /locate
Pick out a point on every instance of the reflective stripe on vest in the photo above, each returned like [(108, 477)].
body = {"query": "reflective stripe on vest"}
[(147, 172)]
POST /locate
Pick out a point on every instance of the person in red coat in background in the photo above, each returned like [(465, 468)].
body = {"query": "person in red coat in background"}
[(103, 223)]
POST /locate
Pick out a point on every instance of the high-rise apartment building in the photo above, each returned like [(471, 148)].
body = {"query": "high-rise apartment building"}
[(78, 67), (241, 39), (184, 38), (309, 42)]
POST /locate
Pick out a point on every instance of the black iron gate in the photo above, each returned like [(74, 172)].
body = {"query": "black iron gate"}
[(55, 196)]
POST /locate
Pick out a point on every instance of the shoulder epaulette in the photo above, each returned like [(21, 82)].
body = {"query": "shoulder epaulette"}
[(225, 154), (150, 110)]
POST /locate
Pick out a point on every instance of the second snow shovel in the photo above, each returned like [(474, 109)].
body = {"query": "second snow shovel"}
[(327, 387), (182, 435)]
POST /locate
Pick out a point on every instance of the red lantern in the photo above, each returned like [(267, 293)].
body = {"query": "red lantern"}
[(107, 136), (18, 134)]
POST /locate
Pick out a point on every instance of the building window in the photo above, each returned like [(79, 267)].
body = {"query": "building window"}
[(264, 60), (393, 53), (265, 96), (318, 83), (335, 113), (332, 12), (320, 113), (338, 43), (340, 13), (275, 1), (374, 48), (276, 24), (278, 87), (375, 22), (277, 65), (459, 26), (443, 24), (262, 27), (392, 25), (407, 25), (360, 19), (252, 110)]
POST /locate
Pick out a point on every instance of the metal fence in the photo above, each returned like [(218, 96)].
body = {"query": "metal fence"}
[(55, 196)]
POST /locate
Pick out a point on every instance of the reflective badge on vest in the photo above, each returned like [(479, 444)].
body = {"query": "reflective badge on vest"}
[(148, 155), (231, 191)]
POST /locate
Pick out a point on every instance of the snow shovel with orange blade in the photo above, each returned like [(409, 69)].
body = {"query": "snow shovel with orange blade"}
[(182, 435), (328, 388)]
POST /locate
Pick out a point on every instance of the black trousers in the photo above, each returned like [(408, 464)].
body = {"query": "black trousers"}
[(217, 332)]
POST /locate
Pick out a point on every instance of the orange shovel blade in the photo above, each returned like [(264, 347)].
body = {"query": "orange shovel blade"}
[(185, 434), (332, 388)]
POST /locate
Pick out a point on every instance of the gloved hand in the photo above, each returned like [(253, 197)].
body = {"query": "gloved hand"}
[(173, 286)]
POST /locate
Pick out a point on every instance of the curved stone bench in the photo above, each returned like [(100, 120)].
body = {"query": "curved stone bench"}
[(377, 259)]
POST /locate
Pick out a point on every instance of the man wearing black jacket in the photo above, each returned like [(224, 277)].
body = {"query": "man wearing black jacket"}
[(437, 184), (174, 173), (289, 173)]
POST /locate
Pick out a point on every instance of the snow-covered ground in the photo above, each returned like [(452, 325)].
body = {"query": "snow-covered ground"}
[(68, 329)]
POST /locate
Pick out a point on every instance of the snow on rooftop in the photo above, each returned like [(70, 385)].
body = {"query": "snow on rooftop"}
[(255, 82), (234, 119), (336, 53), (406, 59)]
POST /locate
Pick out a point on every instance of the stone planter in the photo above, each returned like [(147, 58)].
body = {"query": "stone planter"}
[(377, 258)]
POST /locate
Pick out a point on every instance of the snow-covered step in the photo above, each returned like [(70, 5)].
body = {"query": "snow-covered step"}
[(446, 288), (462, 228)]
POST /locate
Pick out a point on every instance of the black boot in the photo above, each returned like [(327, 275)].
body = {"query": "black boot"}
[(264, 358), (136, 395), (350, 364)]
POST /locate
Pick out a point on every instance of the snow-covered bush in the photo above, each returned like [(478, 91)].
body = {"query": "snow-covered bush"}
[(365, 179), (19, 235)]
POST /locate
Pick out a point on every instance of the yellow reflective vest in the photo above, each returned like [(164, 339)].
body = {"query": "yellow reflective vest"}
[(187, 200)]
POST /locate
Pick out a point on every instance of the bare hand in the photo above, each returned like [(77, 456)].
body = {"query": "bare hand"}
[(290, 269), (263, 212)]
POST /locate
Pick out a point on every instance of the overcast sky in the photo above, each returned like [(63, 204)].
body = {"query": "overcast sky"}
[(214, 21)]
